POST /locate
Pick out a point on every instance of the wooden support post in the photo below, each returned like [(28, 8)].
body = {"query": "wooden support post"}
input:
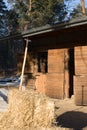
[(83, 7), (24, 61), (66, 74)]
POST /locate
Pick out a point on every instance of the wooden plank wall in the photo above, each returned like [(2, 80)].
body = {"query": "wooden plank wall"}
[(81, 60), (80, 78), (80, 89), (40, 83), (52, 83), (55, 77), (56, 61), (55, 83)]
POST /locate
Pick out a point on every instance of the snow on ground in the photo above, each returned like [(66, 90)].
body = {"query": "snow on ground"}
[(3, 99), (5, 84)]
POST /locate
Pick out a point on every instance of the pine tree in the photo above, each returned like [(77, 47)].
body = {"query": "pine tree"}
[(47, 12), (2, 18), (12, 21), (34, 13)]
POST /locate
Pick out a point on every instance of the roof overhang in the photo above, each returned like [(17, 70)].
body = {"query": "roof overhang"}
[(49, 28), (70, 30)]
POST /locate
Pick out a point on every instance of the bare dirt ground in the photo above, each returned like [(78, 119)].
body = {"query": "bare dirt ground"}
[(68, 115), (71, 116)]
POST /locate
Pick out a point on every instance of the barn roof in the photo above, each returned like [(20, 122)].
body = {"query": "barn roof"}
[(48, 28)]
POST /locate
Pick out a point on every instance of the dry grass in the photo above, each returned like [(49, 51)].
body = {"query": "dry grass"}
[(28, 110)]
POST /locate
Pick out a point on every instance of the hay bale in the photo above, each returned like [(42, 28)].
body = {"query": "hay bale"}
[(21, 105), (27, 110), (5, 121), (43, 111)]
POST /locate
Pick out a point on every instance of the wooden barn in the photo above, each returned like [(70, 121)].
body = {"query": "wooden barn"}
[(58, 59), (56, 63)]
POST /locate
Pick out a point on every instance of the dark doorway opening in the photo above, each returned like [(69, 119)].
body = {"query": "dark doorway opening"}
[(42, 62), (71, 71)]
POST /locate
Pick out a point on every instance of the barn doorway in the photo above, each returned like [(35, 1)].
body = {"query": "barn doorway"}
[(42, 62), (71, 71)]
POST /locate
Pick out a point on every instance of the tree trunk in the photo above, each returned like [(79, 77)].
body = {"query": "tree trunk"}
[(83, 7)]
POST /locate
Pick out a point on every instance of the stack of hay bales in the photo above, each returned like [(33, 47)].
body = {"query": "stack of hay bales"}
[(28, 110)]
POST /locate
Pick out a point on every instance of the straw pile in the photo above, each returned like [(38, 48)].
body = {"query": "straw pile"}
[(28, 110)]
